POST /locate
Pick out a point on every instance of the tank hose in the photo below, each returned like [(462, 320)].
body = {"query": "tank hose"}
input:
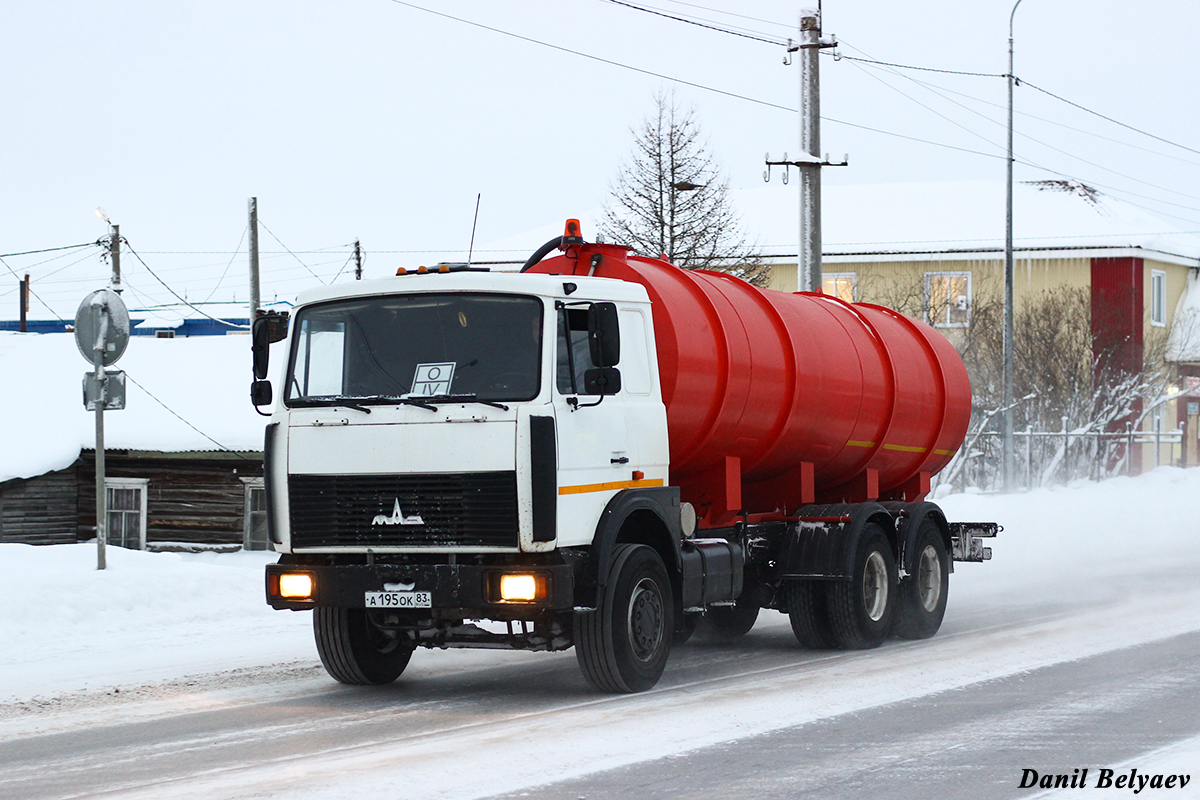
[(541, 253)]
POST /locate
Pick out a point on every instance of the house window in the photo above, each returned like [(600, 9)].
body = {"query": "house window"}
[(1158, 297), (126, 512), (254, 534), (948, 299), (168, 334), (842, 285)]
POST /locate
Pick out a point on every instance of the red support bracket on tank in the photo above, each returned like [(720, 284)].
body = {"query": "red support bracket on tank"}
[(864, 486), (913, 490), (797, 485), (718, 491)]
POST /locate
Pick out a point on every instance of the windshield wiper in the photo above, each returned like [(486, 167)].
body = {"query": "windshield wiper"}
[(464, 398), (361, 403)]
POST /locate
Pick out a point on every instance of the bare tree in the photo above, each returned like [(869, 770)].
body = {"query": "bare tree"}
[(1067, 381), (670, 199)]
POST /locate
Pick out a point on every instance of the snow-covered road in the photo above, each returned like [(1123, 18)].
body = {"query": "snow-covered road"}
[(223, 698)]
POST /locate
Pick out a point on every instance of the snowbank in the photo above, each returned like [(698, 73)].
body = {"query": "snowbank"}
[(148, 617)]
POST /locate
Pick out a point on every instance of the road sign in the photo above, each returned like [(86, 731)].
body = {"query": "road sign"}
[(114, 391), (102, 312)]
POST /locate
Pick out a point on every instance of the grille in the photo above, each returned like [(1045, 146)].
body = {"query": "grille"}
[(462, 510)]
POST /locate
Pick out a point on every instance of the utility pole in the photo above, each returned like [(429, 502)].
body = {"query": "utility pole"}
[(253, 259), (23, 292), (358, 258), (1008, 470), (809, 163), (114, 253), (810, 144)]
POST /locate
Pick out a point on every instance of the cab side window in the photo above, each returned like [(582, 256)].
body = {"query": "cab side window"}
[(574, 356)]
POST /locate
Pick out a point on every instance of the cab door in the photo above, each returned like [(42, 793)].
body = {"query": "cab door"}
[(595, 459)]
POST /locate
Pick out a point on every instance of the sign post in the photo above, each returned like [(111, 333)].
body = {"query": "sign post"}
[(101, 333)]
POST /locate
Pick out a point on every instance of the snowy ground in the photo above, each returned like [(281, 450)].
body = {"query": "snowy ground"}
[(1078, 570)]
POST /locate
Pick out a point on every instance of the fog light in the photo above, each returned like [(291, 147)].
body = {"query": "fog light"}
[(296, 585), (519, 588)]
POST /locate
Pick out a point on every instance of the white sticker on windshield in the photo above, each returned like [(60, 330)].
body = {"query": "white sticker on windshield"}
[(432, 380)]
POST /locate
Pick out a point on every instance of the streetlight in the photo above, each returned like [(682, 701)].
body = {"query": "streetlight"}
[(1008, 278)]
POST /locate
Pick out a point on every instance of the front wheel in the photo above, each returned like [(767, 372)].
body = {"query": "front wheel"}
[(623, 645), (355, 650), (923, 591)]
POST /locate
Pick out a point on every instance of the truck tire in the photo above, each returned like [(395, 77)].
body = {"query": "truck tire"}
[(861, 609), (354, 651), (623, 645), (729, 622), (805, 604), (923, 592)]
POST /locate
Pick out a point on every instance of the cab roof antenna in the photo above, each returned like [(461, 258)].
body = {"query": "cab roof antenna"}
[(471, 249)]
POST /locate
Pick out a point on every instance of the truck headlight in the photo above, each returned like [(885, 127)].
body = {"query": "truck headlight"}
[(296, 585), (522, 587)]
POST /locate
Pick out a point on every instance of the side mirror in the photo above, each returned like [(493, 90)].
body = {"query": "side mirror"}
[(268, 327), (260, 393), (602, 381), (604, 334)]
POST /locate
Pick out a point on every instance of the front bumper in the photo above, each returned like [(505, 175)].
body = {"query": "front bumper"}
[(466, 589)]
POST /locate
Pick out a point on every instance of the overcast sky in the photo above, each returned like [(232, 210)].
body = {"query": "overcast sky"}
[(374, 120)]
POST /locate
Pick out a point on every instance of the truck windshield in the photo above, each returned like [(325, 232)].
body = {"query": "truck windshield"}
[(417, 347)]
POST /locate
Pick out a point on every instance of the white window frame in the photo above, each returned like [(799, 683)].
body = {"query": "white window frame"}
[(1158, 298), (129, 483), (853, 276), (251, 485), (945, 323)]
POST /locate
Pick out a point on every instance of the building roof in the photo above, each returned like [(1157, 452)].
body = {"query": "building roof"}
[(960, 217), (201, 385)]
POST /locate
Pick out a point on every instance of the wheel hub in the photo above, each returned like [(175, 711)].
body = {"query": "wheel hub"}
[(645, 619), (929, 578), (875, 586)]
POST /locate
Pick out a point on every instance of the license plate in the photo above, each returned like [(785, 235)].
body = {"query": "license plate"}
[(399, 600)]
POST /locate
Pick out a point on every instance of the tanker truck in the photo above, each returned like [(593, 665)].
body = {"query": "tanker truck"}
[(600, 452)]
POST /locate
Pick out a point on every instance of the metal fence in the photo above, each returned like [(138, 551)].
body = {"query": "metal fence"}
[(1044, 458)]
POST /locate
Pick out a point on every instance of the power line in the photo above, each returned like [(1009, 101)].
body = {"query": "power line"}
[(180, 297), (29, 289), (694, 22), (1047, 145), (732, 14), (1109, 119), (591, 57), (47, 250), (938, 88), (184, 421), (841, 56), (285, 247), (241, 239), (929, 108), (682, 82)]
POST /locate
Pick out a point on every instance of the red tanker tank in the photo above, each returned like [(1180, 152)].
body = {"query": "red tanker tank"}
[(775, 400)]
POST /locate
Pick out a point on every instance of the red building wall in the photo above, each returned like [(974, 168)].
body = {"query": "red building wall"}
[(1117, 323)]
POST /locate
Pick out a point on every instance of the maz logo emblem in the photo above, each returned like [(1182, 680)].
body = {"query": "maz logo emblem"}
[(397, 517)]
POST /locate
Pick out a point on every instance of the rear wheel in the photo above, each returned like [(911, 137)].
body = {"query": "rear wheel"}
[(923, 592), (623, 645), (805, 604), (861, 609), (356, 651)]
